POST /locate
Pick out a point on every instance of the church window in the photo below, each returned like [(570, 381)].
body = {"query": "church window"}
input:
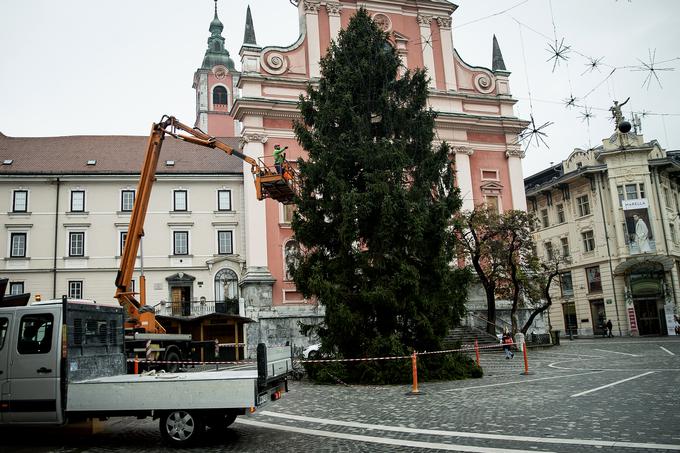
[(220, 95)]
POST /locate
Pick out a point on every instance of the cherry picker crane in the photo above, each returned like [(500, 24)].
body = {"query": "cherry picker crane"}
[(269, 183)]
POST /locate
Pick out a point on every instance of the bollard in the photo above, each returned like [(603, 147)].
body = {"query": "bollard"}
[(477, 351), (526, 362), (217, 353), (136, 366), (414, 366)]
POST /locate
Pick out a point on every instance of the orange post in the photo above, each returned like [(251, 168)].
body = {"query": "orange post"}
[(414, 366), (136, 366), (526, 361), (477, 352)]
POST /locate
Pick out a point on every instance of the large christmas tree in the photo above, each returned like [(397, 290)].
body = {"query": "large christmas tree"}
[(374, 211)]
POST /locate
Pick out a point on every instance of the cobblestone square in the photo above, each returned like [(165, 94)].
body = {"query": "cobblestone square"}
[(609, 395)]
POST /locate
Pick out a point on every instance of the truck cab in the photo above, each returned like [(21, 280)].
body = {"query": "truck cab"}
[(65, 360), (29, 366)]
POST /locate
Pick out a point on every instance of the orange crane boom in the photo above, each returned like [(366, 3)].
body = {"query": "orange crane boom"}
[(268, 184)]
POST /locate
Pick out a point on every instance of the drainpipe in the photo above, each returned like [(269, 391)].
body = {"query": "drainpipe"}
[(655, 177), (609, 253), (56, 235)]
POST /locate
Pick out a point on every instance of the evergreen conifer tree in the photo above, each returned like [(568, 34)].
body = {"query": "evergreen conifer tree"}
[(374, 211)]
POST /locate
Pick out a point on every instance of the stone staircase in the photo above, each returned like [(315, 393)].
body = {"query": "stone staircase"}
[(467, 335)]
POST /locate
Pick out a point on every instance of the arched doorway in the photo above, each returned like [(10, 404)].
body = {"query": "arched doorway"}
[(647, 289), (226, 291)]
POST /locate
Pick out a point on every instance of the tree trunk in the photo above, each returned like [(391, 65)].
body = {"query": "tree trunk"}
[(490, 309), (544, 307)]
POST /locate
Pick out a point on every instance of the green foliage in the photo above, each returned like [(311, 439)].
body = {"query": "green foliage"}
[(503, 253), (373, 214)]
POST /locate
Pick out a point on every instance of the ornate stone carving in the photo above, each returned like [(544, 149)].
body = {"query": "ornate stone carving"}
[(515, 152), (444, 22), (333, 8), (463, 150), (484, 83), (311, 7), (274, 63), (424, 19), (382, 21), (253, 137)]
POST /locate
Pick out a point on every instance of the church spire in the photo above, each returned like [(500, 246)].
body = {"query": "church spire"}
[(497, 63), (216, 54), (249, 35)]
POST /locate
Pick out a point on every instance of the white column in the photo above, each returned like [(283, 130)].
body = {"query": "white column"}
[(313, 43), (334, 9), (519, 200), (464, 176), (447, 52), (426, 43), (255, 214)]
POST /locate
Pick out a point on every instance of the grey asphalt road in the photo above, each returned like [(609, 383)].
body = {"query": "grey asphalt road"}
[(604, 395)]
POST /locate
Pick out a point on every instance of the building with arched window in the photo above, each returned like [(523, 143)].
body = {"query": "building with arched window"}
[(614, 212)]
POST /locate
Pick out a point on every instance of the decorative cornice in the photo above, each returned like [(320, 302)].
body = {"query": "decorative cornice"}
[(424, 19), (444, 22), (333, 8), (254, 137), (515, 152), (311, 7), (463, 150)]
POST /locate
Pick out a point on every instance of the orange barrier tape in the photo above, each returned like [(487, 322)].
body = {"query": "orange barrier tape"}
[(446, 351)]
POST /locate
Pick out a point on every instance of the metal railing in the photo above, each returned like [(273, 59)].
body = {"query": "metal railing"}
[(192, 309), (480, 322)]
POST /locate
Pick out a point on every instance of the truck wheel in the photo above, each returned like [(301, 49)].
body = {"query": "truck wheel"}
[(180, 427), (173, 358)]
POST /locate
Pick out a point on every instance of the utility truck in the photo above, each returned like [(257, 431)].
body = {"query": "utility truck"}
[(64, 360)]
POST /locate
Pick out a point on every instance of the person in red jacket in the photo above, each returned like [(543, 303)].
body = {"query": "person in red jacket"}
[(507, 343)]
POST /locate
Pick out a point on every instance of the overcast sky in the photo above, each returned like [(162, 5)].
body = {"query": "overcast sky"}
[(83, 67)]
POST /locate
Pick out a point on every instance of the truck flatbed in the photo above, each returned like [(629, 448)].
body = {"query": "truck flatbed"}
[(199, 390)]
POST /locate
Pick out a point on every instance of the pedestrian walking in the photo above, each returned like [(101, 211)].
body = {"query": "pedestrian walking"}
[(609, 328), (507, 343)]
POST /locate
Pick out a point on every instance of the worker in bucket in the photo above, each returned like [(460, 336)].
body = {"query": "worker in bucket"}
[(279, 157)]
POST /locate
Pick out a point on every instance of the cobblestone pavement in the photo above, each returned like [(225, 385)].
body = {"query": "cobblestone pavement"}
[(605, 395)]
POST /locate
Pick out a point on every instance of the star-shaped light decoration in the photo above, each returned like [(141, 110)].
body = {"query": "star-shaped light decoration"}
[(559, 52), (586, 115), (533, 133), (651, 69), (593, 64), (426, 41), (570, 101)]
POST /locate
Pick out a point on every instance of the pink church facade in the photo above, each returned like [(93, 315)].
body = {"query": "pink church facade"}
[(474, 105)]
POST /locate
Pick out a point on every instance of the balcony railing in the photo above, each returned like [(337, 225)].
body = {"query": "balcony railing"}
[(192, 309)]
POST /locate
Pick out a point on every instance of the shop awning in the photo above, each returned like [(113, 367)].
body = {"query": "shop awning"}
[(635, 261)]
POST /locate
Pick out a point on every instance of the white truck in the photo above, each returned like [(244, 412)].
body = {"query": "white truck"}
[(64, 360)]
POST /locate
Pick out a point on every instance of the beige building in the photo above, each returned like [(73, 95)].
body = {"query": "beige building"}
[(614, 212), (65, 208)]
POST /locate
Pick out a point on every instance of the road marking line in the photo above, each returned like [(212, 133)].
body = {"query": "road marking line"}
[(671, 353), (438, 432), (520, 381), (616, 352), (383, 440), (612, 384)]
